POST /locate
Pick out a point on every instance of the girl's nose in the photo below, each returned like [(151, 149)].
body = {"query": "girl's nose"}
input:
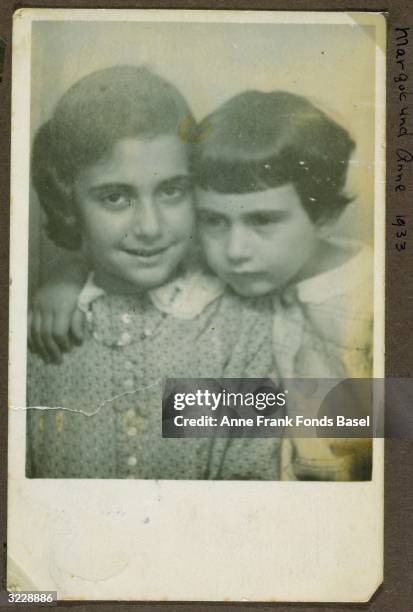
[(147, 224), (237, 245)]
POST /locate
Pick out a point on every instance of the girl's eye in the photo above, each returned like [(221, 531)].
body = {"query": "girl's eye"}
[(262, 221), (212, 220), (115, 200), (174, 191)]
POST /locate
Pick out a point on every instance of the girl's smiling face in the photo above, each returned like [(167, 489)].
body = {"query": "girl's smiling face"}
[(136, 213)]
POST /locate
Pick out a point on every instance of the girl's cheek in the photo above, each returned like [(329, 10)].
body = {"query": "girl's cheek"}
[(210, 247)]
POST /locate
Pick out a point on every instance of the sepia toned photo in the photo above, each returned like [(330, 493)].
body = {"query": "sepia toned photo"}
[(199, 196)]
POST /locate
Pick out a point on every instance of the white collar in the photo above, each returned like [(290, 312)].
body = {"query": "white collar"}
[(351, 274), (184, 297)]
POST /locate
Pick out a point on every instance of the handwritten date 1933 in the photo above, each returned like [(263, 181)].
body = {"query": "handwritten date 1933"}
[(401, 232)]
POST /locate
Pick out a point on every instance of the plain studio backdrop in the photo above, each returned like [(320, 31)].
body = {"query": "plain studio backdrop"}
[(332, 64)]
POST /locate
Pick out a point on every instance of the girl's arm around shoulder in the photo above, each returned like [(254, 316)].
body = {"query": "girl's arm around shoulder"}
[(55, 324)]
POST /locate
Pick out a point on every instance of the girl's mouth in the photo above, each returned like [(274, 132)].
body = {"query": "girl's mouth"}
[(242, 273), (145, 253), (147, 257)]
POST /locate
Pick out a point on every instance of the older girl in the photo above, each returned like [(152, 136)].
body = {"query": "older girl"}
[(111, 171)]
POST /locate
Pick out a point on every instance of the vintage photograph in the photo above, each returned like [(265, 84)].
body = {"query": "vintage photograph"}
[(203, 199), (206, 227)]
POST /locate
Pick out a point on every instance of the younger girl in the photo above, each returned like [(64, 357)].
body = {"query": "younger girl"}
[(111, 171), (271, 177)]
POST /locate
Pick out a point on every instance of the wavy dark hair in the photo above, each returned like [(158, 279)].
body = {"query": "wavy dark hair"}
[(96, 112), (258, 141)]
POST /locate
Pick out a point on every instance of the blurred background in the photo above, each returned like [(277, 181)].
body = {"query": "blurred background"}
[(333, 64)]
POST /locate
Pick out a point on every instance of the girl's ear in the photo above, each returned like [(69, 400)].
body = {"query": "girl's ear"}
[(70, 220), (72, 226), (324, 227)]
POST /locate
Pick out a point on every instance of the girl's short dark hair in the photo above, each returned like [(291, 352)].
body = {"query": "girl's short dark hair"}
[(259, 141), (96, 112)]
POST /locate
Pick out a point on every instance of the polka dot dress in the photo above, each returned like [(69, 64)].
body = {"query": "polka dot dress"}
[(101, 415)]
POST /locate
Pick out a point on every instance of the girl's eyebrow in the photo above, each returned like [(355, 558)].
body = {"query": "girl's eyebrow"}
[(179, 177), (266, 212), (107, 186), (131, 188)]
